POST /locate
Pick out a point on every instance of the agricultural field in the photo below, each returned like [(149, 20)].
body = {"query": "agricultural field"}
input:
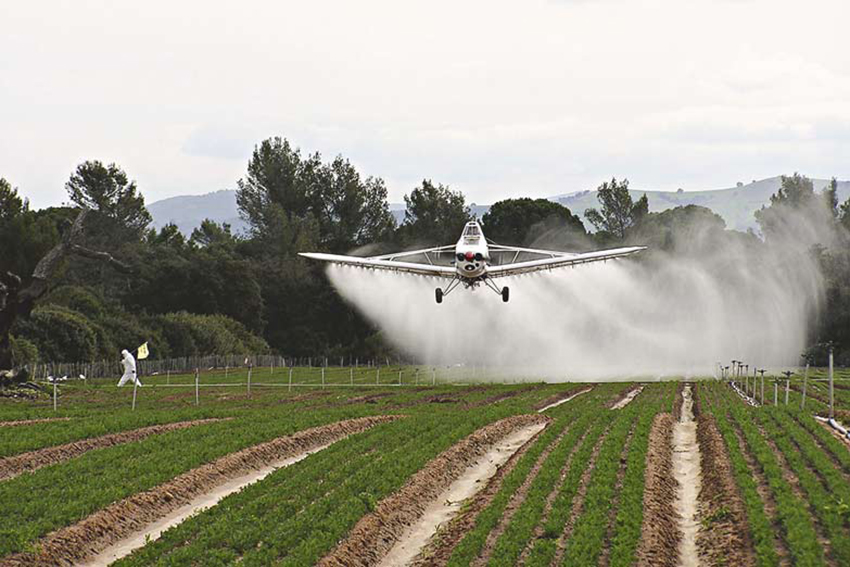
[(412, 466)]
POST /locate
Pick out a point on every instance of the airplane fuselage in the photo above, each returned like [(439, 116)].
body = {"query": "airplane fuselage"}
[(471, 252)]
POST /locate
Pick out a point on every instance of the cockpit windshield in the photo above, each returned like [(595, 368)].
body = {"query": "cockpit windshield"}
[(471, 230)]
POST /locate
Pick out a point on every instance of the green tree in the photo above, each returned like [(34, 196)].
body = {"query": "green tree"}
[(521, 221), (275, 185), (350, 211), (435, 214), (619, 212), (106, 189)]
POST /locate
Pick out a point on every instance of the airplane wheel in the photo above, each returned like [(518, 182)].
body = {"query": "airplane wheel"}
[(506, 294), (439, 294)]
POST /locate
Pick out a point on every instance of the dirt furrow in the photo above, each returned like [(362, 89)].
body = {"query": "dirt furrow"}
[(85, 539), (766, 496), (578, 500), (686, 468), (515, 502), (560, 398), (623, 398), (615, 503), (440, 548), (15, 465), (376, 533), (723, 538), (660, 536), (32, 421)]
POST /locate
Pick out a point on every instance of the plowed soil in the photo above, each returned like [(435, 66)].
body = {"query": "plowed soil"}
[(660, 536), (32, 421), (11, 467), (376, 533), (723, 538), (74, 544)]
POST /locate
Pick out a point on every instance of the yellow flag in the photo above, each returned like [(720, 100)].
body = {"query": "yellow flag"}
[(143, 352)]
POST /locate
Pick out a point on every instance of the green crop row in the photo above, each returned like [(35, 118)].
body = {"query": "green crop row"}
[(518, 532), (798, 528), (299, 513), (828, 504), (588, 535), (759, 524), (471, 545), (627, 525), (72, 490)]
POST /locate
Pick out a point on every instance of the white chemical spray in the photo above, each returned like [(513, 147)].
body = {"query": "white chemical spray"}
[(716, 297)]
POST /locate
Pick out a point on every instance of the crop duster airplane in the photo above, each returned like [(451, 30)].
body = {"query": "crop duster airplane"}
[(474, 261)]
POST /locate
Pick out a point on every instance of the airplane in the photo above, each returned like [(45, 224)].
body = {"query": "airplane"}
[(475, 261)]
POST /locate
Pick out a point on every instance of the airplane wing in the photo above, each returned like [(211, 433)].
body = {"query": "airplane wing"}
[(384, 263), (554, 260)]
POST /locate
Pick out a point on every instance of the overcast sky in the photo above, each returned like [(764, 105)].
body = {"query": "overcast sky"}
[(498, 99)]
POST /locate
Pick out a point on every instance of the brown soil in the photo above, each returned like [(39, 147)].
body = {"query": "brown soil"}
[(660, 536), (32, 421), (615, 503), (15, 465), (439, 549), (578, 500), (766, 496), (723, 538), (515, 502), (558, 397), (73, 544), (376, 533)]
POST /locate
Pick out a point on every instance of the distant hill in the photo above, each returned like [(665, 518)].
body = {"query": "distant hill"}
[(736, 205)]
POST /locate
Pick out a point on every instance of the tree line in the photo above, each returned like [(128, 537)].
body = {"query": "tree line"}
[(216, 292)]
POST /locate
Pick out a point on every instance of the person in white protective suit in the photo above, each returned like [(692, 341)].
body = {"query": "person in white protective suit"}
[(129, 369)]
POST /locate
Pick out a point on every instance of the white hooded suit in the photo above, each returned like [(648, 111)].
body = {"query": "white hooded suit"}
[(129, 369)]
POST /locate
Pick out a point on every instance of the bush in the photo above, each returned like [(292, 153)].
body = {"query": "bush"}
[(23, 351), (60, 334)]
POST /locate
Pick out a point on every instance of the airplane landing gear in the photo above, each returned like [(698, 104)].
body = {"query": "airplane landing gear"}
[(506, 294), (439, 295)]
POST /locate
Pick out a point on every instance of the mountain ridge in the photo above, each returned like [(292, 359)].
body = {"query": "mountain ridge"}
[(736, 205)]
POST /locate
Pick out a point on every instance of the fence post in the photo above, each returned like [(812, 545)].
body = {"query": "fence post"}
[(805, 380), (399, 377), (787, 387), (54, 394), (135, 387), (351, 374), (323, 377), (433, 376), (168, 376), (831, 390), (197, 378), (250, 369), (378, 376), (290, 377), (775, 393)]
